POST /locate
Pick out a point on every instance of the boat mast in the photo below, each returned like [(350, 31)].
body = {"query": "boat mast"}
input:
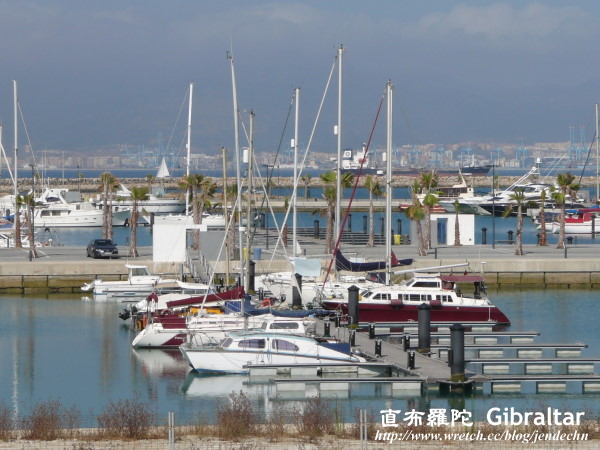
[(237, 164), (225, 213), (389, 192), (339, 147), (249, 209), (189, 147), (16, 151), (295, 195), (597, 162)]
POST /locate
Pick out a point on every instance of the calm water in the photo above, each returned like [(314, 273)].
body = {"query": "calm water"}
[(81, 236), (79, 352)]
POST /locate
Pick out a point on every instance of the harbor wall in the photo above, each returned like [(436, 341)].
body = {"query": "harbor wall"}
[(69, 276)]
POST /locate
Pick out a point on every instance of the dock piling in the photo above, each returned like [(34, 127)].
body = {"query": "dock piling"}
[(424, 316), (410, 360), (456, 357), (371, 331), (377, 347)]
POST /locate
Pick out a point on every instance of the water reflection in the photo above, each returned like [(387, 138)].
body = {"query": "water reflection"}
[(79, 352)]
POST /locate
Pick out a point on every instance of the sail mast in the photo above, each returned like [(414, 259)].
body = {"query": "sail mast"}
[(339, 147), (237, 164), (189, 147), (389, 192), (17, 238), (295, 194), (597, 162), (249, 210)]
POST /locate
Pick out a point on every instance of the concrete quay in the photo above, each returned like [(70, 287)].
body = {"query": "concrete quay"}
[(65, 269)]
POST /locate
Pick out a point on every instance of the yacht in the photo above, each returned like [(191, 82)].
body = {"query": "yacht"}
[(400, 303), (140, 283), (173, 330), (241, 349)]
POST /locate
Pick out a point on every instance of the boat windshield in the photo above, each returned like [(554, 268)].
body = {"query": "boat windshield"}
[(280, 344), (227, 342), (252, 343)]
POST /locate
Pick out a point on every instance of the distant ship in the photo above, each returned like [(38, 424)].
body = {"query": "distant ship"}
[(352, 161)]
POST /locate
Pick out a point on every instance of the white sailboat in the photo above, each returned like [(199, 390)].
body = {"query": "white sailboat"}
[(163, 170)]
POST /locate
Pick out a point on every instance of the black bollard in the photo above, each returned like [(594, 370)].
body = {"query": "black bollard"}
[(371, 331), (400, 228), (593, 226), (510, 236), (352, 338), (251, 275), (406, 342), (424, 316), (316, 229), (365, 224), (457, 347), (336, 321), (353, 305), (410, 359), (539, 235), (297, 292), (377, 347), (327, 329), (569, 240), (484, 236)]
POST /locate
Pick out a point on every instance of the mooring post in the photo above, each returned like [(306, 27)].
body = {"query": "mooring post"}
[(424, 316), (327, 329), (353, 305), (457, 347), (352, 338), (371, 331), (377, 347), (410, 359), (406, 341)]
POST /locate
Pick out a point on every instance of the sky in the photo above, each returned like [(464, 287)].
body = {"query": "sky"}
[(97, 74)]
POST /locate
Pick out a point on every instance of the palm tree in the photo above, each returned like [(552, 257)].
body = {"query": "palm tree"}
[(150, 179), (138, 194), (456, 223), (427, 183), (543, 237), (206, 189), (17, 218), (29, 203), (375, 190), (306, 180), (190, 184), (566, 187), (518, 197), (330, 195), (416, 213), (108, 185)]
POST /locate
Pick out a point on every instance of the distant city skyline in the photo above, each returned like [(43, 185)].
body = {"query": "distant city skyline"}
[(94, 75)]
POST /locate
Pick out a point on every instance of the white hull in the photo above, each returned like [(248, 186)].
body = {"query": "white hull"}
[(214, 361), (74, 218)]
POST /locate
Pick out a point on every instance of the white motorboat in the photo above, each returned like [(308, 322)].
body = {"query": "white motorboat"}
[(54, 210), (173, 330), (152, 205), (140, 283), (581, 221), (400, 303), (245, 348)]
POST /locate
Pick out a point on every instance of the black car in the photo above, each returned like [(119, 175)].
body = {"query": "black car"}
[(102, 248)]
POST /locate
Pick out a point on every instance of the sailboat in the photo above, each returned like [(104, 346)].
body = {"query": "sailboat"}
[(163, 170)]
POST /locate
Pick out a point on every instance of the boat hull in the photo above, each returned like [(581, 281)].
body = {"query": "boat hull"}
[(388, 313), (214, 361)]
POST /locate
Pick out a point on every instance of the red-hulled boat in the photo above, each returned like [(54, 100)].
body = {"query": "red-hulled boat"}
[(399, 303)]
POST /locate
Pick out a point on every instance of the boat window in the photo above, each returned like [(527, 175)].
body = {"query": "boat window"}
[(285, 325), (227, 342), (426, 284), (252, 343), (381, 297), (367, 294), (138, 271), (45, 213), (280, 344), (414, 297)]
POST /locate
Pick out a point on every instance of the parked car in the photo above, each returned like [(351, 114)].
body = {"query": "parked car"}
[(102, 248)]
